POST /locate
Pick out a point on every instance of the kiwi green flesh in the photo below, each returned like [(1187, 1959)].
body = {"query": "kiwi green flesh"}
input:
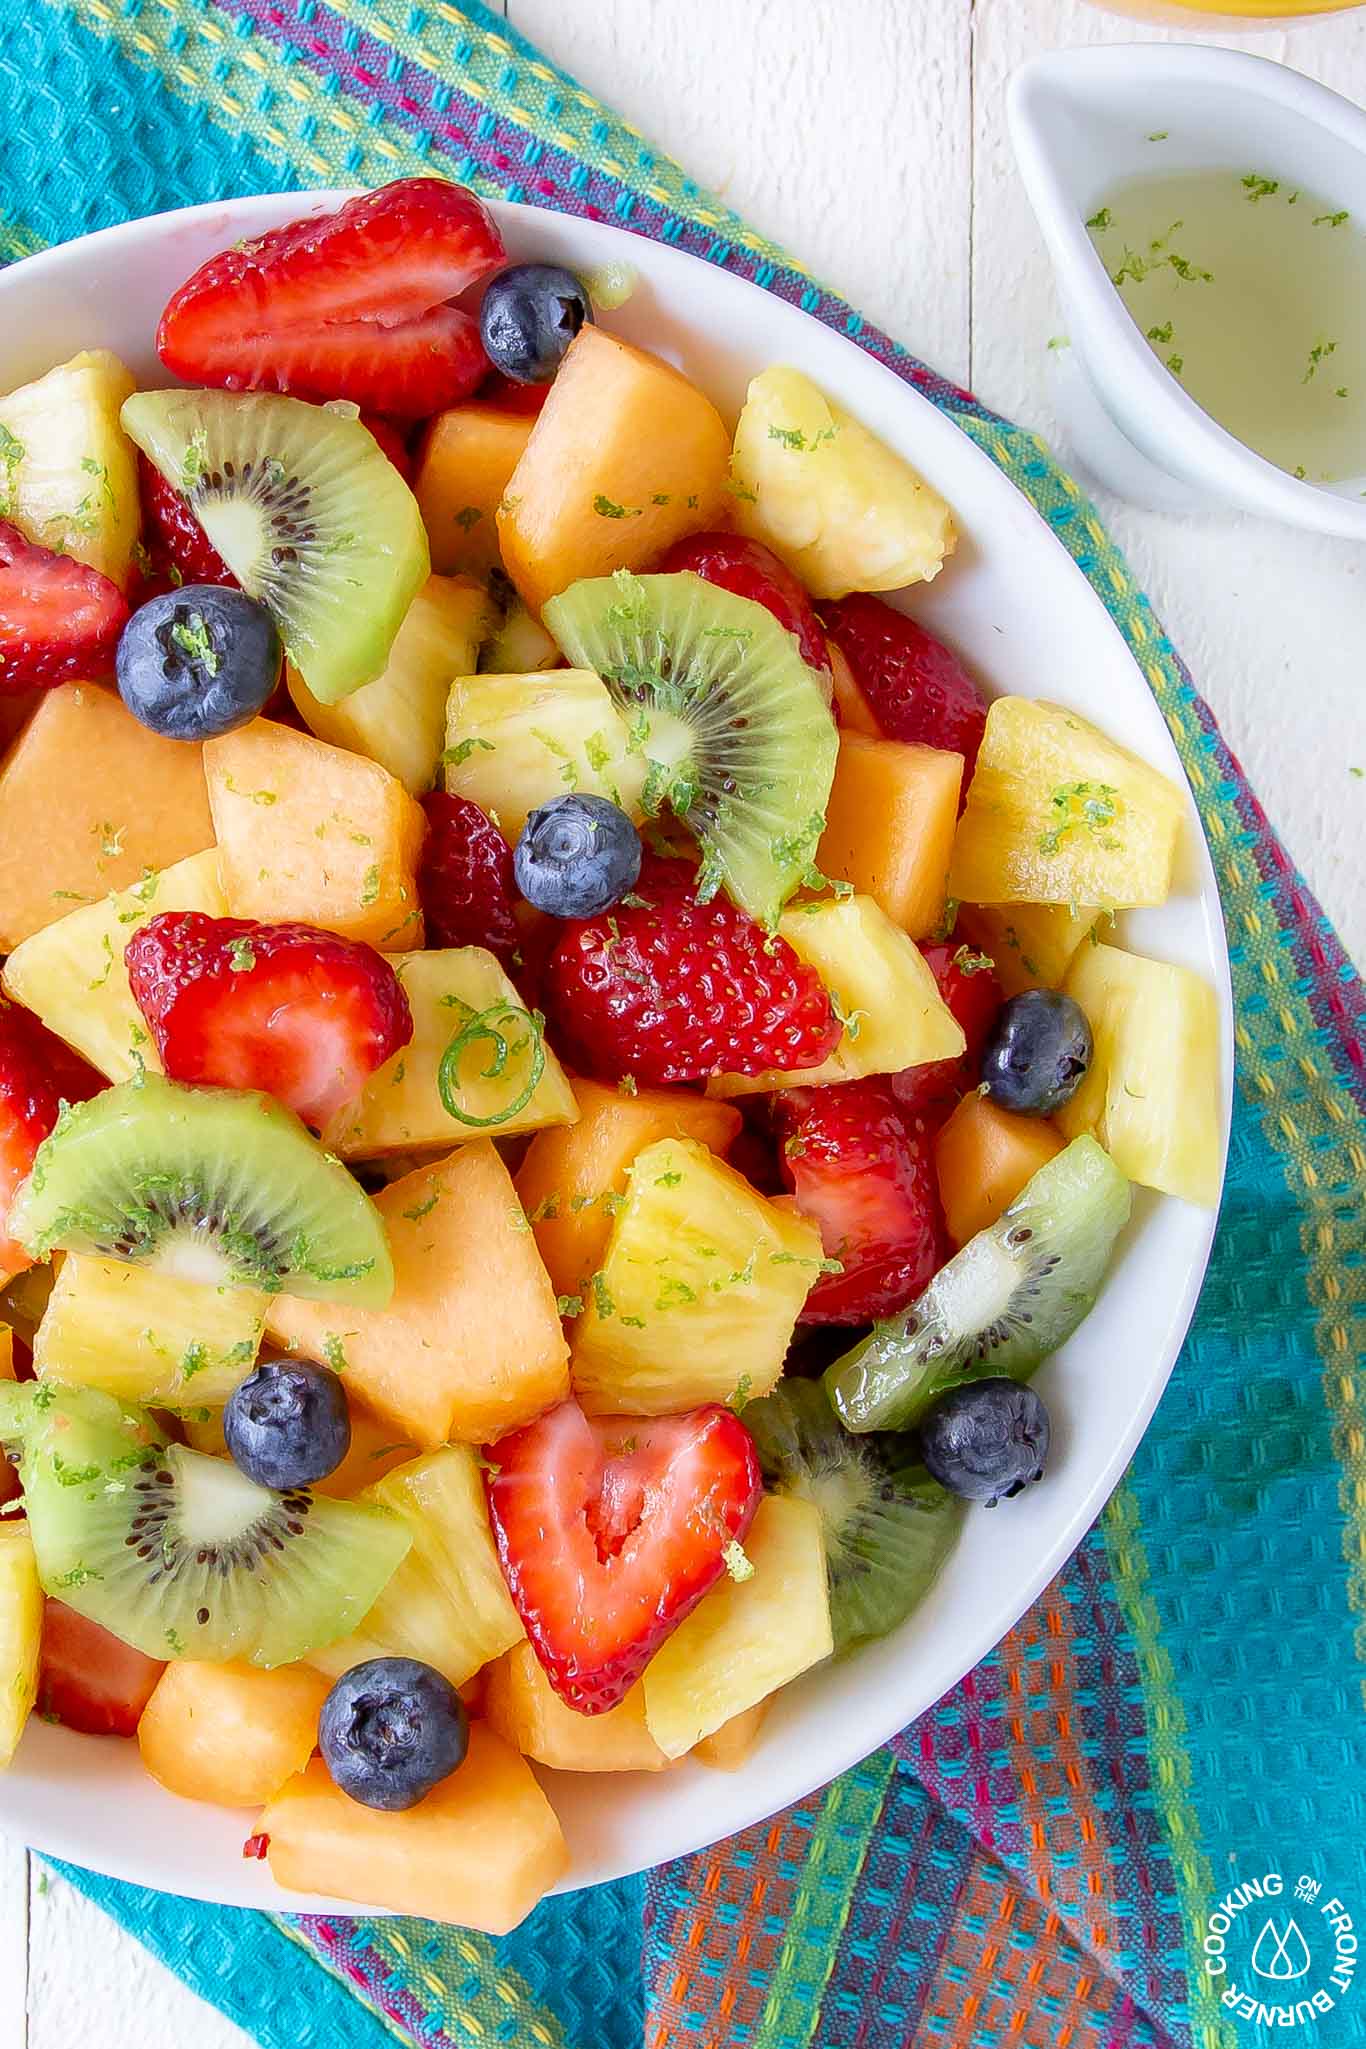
[(180, 1554), (221, 1186), (308, 513), (887, 1525), (1012, 1295), (733, 725)]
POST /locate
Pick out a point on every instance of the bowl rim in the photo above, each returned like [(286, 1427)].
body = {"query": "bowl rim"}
[(847, 1745)]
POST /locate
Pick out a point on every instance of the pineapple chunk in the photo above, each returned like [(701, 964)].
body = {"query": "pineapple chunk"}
[(447, 1604), (313, 832), (513, 742), (1031, 945), (702, 1286), (522, 1707), (842, 510), (91, 801), (72, 973), (1058, 814), (471, 1343), (21, 1629), (400, 1109), (468, 456), (146, 1337), (747, 1636), (68, 472), (399, 720), (1151, 1095), (894, 1015), (519, 645)]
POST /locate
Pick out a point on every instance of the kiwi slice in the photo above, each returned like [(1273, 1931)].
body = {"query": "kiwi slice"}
[(221, 1186), (1012, 1295), (888, 1526), (180, 1554), (733, 725), (307, 511)]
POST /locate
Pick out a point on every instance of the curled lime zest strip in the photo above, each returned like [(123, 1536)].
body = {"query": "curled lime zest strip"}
[(482, 1024)]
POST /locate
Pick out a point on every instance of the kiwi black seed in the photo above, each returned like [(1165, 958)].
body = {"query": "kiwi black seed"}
[(221, 1186), (733, 726), (307, 511), (180, 1554), (887, 1525)]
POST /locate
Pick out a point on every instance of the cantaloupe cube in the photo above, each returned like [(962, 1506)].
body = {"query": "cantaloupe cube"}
[(852, 709), (399, 720), (1151, 1095), (467, 460), (21, 1629), (1057, 813), (1032, 945), (375, 1449), (68, 472), (471, 1343), (894, 1014), (983, 1156), (513, 742), (700, 1291), (401, 1108), (889, 827), (90, 801), (625, 457), (314, 833), (573, 1180), (72, 973), (747, 1636), (6, 1352), (447, 1604), (479, 1851), (522, 1706), (231, 1734), (146, 1337), (730, 1747)]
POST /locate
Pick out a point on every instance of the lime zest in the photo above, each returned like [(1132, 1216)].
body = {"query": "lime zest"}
[(482, 1024)]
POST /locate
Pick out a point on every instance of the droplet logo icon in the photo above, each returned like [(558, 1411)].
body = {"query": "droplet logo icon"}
[(1281, 1953)]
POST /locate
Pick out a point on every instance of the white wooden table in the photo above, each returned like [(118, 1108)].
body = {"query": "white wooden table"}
[(869, 135)]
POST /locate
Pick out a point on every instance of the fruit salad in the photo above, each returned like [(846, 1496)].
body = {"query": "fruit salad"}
[(561, 1063)]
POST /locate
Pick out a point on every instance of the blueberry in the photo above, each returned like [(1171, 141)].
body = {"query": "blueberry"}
[(288, 1424), (986, 1439), (530, 315), (390, 1730), (576, 856), (197, 662), (1039, 1049)]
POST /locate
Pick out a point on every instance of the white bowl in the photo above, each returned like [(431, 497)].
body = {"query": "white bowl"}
[(1029, 622)]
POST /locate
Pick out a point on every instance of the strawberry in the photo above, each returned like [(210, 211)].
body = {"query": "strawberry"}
[(302, 1014), (610, 1529), (59, 621), (38, 1073), (511, 397), (667, 989), (753, 571), (866, 1178), (464, 878), (89, 1679), (914, 686), (178, 549), (389, 435), (351, 304), (967, 982)]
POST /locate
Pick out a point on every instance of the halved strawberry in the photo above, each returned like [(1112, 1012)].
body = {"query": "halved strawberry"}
[(967, 982), (866, 1178), (914, 686), (59, 621), (173, 537), (38, 1073), (302, 1014), (753, 571), (89, 1679), (610, 1529), (351, 304)]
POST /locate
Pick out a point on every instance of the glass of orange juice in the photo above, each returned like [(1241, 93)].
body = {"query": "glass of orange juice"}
[(1225, 13)]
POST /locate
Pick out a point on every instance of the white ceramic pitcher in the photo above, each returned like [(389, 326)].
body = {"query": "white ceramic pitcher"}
[(1080, 122)]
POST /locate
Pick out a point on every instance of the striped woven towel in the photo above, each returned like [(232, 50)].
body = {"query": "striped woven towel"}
[(1035, 1861)]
